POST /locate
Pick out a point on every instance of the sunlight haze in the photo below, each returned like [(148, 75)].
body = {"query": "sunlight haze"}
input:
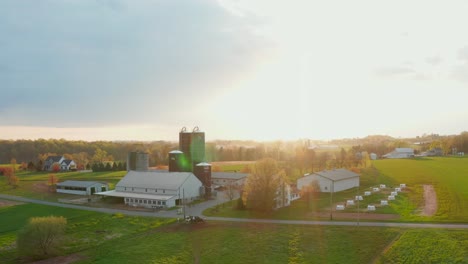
[(263, 70)]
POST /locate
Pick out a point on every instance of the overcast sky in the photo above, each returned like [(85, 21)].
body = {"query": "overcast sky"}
[(242, 69)]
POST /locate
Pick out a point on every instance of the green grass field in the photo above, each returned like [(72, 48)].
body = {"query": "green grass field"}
[(103, 238), (449, 176), (85, 229), (34, 184)]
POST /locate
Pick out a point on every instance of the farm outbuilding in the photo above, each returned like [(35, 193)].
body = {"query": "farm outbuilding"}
[(226, 178), (331, 180), (156, 189), (400, 153), (81, 187)]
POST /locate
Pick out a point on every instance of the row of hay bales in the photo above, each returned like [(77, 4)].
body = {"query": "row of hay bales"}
[(371, 207)]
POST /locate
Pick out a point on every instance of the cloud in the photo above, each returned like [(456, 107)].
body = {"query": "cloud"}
[(107, 62), (395, 71)]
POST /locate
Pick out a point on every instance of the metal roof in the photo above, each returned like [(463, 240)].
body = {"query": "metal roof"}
[(136, 195), (79, 183), (203, 164), (335, 175), (404, 150), (228, 175), (154, 179)]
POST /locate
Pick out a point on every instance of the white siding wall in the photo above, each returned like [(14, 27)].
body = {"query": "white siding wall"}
[(346, 184), (146, 190), (326, 184), (191, 188), (71, 192)]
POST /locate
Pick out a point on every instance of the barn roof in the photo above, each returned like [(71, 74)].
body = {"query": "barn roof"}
[(228, 175), (337, 174), (401, 150), (136, 195), (154, 179), (54, 158), (79, 183)]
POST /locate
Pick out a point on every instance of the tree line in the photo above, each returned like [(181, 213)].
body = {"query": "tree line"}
[(298, 152)]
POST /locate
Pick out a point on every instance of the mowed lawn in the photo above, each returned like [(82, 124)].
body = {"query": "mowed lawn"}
[(449, 176), (85, 229)]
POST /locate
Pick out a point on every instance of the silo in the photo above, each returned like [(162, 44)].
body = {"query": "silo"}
[(137, 161), (176, 161), (203, 172), (192, 144)]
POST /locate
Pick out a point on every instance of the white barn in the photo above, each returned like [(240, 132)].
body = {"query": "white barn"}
[(331, 180), (81, 187), (156, 189), (400, 153)]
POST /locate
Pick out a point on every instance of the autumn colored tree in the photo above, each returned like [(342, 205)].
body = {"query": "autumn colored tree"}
[(13, 164), (56, 167), (41, 237), (262, 185), (310, 192), (52, 180)]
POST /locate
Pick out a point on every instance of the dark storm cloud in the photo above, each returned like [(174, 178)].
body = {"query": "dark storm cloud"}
[(84, 63)]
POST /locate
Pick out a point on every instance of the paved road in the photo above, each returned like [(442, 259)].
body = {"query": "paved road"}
[(197, 209)]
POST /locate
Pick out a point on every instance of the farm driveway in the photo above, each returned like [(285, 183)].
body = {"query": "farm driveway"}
[(173, 213)]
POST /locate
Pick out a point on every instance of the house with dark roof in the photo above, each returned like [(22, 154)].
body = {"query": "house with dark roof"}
[(64, 164), (331, 180)]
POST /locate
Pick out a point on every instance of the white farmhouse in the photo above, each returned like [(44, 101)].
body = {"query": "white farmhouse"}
[(331, 180), (400, 153), (156, 189), (81, 187)]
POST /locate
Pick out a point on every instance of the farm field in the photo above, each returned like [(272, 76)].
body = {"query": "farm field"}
[(448, 176), (101, 238)]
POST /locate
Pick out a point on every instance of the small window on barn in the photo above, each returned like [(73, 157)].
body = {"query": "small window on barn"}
[(146, 190), (163, 202), (145, 201), (164, 191), (326, 188)]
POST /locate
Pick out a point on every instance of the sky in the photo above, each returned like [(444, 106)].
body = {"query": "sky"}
[(237, 69)]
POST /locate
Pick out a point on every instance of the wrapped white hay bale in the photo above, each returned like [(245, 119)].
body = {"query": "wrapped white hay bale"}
[(375, 189), (340, 207), (371, 207), (391, 197), (367, 193), (383, 202), (382, 186), (350, 202), (358, 197)]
